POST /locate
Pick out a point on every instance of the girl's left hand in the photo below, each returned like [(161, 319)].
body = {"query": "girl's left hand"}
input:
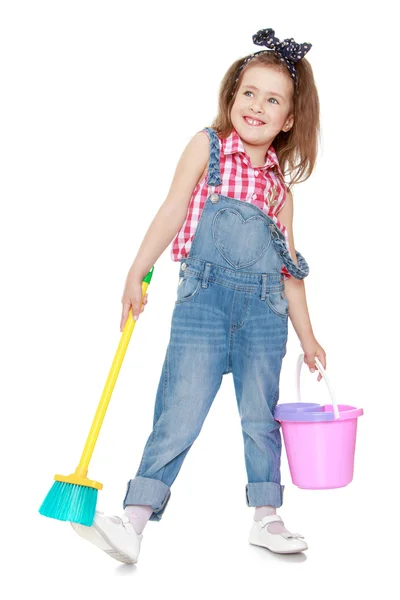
[(311, 350)]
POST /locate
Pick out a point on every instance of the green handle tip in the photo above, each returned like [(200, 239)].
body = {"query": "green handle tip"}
[(149, 275)]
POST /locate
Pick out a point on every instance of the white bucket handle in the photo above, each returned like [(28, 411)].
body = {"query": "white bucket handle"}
[(321, 369)]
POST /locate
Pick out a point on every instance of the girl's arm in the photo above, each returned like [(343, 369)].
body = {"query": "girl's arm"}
[(172, 213), (167, 222), (296, 295), (295, 288)]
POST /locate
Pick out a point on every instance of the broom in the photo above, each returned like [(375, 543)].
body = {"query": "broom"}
[(74, 497)]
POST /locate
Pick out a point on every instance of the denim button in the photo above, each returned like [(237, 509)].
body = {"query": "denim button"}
[(214, 198), (183, 266)]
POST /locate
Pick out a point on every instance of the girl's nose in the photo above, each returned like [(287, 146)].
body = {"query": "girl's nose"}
[(256, 107)]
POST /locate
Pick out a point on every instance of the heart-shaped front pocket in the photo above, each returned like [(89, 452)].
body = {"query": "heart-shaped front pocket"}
[(240, 241)]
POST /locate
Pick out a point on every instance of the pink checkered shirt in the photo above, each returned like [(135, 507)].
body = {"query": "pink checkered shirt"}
[(262, 186)]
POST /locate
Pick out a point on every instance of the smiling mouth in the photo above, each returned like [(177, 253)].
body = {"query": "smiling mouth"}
[(253, 122)]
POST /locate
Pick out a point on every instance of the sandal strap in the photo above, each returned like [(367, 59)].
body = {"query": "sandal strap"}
[(270, 519), (276, 518)]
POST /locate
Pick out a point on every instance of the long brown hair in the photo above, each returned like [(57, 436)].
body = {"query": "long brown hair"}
[(297, 148)]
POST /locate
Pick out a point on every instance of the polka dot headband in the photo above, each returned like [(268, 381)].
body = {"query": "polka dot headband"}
[(288, 51)]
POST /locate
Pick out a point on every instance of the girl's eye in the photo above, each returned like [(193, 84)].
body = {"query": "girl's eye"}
[(248, 92)]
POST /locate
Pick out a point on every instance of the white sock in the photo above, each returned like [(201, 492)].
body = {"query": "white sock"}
[(138, 516), (266, 511)]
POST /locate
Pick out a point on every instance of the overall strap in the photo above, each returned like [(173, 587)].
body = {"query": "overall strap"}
[(214, 172)]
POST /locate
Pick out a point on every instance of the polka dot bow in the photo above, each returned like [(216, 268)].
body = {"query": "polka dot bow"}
[(288, 51)]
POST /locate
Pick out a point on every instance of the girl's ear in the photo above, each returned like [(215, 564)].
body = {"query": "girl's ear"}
[(289, 123)]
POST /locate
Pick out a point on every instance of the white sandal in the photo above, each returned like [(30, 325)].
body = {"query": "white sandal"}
[(113, 535), (281, 543)]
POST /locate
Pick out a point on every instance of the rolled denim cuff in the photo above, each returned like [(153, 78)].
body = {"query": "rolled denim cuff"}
[(148, 492), (266, 493)]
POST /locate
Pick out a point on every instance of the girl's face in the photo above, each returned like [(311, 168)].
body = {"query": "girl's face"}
[(264, 95)]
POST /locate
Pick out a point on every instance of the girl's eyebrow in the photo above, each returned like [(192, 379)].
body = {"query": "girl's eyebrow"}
[(253, 87)]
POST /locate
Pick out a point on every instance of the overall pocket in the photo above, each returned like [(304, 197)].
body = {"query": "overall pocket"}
[(188, 287), (233, 233), (278, 302)]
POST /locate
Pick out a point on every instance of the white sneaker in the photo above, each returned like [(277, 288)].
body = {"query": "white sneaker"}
[(282, 543), (113, 535)]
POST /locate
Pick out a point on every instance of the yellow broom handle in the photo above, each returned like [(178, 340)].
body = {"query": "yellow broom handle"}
[(82, 468)]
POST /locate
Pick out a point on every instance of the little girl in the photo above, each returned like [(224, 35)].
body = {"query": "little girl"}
[(240, 278)]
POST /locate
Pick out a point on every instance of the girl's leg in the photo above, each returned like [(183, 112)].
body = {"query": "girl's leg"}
[(259, 348), (138, 516), (258, 351), (190, 379)]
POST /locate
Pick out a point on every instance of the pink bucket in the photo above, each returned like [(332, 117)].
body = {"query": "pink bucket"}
[(320, 440)]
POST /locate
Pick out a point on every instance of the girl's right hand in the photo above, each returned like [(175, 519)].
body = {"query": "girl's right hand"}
[(132, 298)]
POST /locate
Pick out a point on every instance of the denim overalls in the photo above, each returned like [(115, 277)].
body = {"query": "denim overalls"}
[(230, 315)]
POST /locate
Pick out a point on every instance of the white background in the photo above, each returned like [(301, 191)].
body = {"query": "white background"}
[(98, 100)]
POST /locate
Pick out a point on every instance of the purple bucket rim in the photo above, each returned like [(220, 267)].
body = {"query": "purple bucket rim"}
[(296, 406), (283, 412)]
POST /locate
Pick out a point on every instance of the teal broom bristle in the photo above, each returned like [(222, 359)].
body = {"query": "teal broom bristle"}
[(70, 502)]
